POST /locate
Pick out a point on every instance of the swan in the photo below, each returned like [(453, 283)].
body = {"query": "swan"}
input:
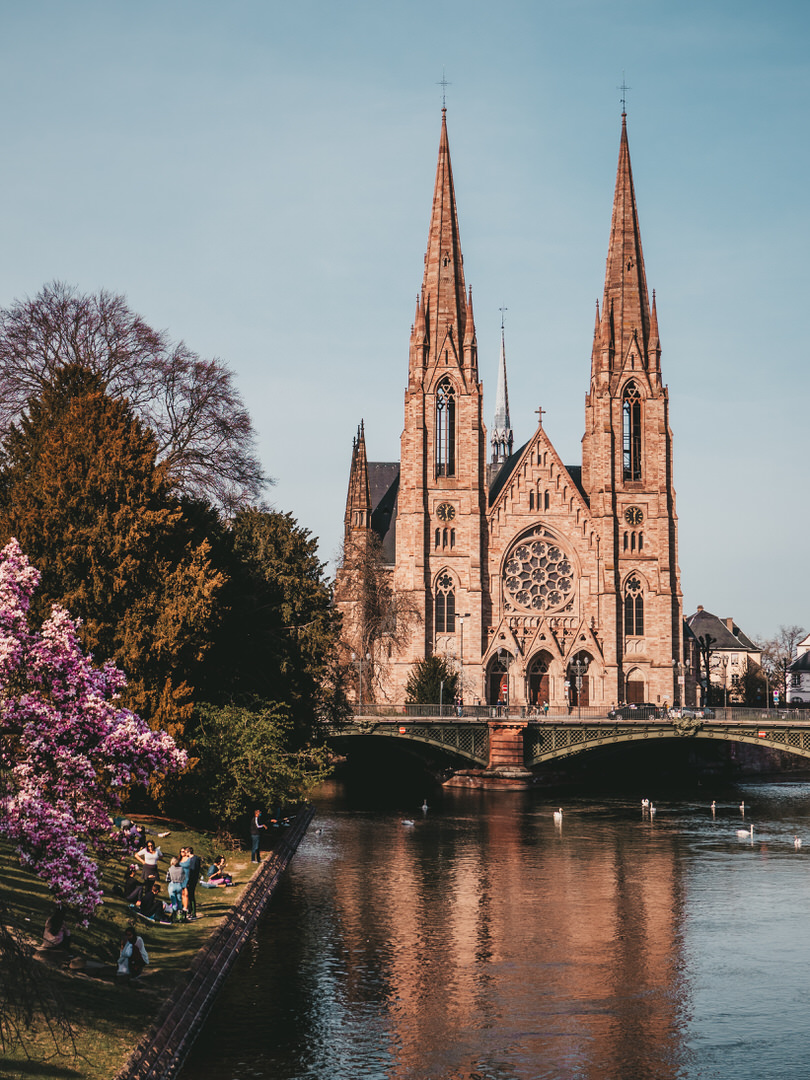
[(742, 807), (652, 810), (797, 842), (558, 817), (407, 821), (645, 804), (714, 806), (746, 834), (425, 807)]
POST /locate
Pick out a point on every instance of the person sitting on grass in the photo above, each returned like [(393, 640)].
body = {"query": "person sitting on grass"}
[(217, 877), (131, 887), (132, 956), (56, 935), (149, 904)]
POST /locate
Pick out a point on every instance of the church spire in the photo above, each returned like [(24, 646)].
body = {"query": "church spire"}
[(502, 434), (626, 305), (358, 499), (444, 297)]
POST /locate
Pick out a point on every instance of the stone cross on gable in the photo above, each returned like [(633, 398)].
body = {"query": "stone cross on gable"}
[(540, 412)]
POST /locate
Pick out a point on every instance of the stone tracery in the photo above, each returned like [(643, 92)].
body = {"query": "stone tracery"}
[(538, 575)]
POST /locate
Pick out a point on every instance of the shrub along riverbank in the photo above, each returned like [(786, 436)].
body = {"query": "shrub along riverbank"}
[(108, 1016)]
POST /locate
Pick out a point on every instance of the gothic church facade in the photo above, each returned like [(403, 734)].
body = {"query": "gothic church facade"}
[(540, 582)]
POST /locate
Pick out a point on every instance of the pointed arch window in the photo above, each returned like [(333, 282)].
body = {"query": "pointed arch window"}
[(445, 605), (633, 608), (445, 429), (631, 432)]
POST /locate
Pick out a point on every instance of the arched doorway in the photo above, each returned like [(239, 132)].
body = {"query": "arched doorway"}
[(498, 678), (579, 681), (539, 683), (634, 687)]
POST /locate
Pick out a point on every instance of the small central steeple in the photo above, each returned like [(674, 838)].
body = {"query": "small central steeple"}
[(502, 434)]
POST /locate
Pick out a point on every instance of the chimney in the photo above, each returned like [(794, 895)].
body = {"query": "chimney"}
[(729, 625)]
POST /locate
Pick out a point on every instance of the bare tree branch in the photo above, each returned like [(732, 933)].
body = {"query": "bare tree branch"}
[(204, 433)]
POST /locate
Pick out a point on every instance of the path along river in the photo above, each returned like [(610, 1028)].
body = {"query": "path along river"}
[(486, 941)]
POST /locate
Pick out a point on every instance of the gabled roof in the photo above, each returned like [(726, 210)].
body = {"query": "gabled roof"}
[(703, 623), (801, 663)]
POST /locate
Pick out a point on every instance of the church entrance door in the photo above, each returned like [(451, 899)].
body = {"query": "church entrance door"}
[(539, 684), (634, 688), (498, 680)]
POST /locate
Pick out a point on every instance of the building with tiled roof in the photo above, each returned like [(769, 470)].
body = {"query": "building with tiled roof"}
[(798, 688), (732, 654)]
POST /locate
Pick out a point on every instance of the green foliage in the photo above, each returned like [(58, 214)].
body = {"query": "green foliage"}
[(424, 686), (279, 628), (81, 490), (245, 760)]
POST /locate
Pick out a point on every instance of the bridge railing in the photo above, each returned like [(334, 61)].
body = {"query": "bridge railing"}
[(394, 713)]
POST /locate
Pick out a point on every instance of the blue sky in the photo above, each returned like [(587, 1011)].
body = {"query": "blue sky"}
[(256, 178)]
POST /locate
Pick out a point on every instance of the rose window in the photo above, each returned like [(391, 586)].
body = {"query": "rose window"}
[(538, 574)]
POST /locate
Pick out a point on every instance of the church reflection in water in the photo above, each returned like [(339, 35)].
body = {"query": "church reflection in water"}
[(489, 944)]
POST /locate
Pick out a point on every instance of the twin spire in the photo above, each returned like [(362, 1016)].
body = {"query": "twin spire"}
[(443, 331), (627, 329)]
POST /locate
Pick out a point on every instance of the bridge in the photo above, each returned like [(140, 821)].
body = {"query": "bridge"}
[(510, 744)]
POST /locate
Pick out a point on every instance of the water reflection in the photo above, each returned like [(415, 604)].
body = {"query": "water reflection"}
[(484, 941)]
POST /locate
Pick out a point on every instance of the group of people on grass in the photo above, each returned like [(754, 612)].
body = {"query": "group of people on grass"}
[(141, 889)]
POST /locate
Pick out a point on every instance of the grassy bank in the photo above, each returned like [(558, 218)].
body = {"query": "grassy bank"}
[(107, 1015)]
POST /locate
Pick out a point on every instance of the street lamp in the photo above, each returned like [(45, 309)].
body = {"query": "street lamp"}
[(680, 669), (724, 662), (461, 619), (579, 668), (359, 660)]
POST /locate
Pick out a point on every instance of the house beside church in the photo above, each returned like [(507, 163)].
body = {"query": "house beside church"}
[(538, 580), (798, 686)]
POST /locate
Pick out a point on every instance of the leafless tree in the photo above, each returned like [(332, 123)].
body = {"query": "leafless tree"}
[(778, 653), (377, 622), (203, 430)]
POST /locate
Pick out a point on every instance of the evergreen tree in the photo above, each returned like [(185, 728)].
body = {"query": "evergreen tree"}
[(279, 628), (81, 490), (431, 682)]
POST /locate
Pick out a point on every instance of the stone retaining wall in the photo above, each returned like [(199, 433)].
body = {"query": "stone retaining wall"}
[(162, 1051)]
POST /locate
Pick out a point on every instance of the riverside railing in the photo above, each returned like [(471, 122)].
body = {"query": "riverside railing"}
[(586, 713)]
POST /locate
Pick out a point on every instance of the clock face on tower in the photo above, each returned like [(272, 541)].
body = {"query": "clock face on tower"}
[(634, 515), (446, 511)]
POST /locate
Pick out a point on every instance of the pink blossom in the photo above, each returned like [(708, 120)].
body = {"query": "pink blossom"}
[(67, 746)]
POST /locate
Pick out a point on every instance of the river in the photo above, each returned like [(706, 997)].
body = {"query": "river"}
[(485, 941)]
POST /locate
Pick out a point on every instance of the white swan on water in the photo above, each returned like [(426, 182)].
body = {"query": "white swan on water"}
[(746, 834), (797, 842), (558, 817), (407, 821)]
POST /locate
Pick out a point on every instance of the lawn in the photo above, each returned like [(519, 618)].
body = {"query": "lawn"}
[(108, 1015)]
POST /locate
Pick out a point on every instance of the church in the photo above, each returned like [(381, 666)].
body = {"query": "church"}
[(539, 582)]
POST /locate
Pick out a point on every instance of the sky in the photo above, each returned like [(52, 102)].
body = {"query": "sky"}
[(256, 178)]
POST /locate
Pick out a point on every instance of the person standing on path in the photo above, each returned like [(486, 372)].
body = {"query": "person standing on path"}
[(194, 871), (255, 836)]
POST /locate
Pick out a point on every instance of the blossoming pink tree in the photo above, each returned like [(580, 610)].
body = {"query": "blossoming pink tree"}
[(67, 748)]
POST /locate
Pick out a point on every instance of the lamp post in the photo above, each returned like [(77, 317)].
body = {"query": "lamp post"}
[(461, 619), (724, 662), (579, 668), (680, 692)]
